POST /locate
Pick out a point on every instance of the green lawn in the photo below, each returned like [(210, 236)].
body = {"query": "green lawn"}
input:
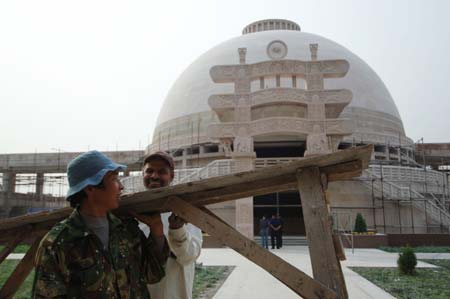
[(206, 282), (19, 249), (431, 283), (420, 249), (6, 268)]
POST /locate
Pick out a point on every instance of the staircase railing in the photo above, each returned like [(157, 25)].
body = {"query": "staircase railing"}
[(343, 226), (213, 169), (390, 190)]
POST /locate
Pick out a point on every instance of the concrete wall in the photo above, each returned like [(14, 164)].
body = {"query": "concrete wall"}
[(57, 162)]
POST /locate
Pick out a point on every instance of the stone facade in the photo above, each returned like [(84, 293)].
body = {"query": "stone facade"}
[(320, 123), (321, 126)]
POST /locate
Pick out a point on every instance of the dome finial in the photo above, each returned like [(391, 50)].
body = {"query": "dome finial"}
[(270, 24)]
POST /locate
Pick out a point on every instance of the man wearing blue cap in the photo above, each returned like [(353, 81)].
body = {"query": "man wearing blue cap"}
[(92, 253)]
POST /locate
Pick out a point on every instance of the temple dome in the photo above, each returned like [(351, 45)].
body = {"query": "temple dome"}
[(372, 107)]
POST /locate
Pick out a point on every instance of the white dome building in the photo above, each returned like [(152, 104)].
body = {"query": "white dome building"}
[(186, 117), (372, 108)]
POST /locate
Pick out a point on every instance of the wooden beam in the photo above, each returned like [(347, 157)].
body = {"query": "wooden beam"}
[(340, 253), (326, 266), (289, 275), (9, 247), (343, 171), (339, 165), (21, 272)]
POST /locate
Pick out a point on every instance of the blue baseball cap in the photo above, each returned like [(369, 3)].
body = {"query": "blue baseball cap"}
[(88, 169)]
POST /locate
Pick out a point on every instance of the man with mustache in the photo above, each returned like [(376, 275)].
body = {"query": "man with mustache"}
[(185, 240), (92, 253)]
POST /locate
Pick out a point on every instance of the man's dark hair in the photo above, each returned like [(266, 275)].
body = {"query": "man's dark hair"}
[(77, 198)]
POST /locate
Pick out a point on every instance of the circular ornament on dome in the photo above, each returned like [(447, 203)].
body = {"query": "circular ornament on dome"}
[(277, 49)]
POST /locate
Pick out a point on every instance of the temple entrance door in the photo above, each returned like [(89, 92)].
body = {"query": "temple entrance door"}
[(287, 205)]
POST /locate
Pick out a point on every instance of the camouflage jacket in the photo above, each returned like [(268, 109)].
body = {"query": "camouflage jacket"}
[(71, 262)]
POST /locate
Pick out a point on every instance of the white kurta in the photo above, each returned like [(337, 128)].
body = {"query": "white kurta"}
[(185, 243)]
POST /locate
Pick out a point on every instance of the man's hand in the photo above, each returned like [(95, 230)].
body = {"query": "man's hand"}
[(176, 222), (153, 221)]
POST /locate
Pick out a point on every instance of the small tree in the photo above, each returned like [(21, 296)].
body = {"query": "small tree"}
[(407, 261), (360, 224)]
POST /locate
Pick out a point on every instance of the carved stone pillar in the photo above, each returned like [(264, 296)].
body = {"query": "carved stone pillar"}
[(9, 182), (9, 186), (244, 206), (184, 161), (39, 186)]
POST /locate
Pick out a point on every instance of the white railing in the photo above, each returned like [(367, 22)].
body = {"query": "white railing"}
[(389, 190), (213, 169), (265, 162), (181, 174), (132, 184), (227, 166), (401, 185), (343, 225), (429, 181)]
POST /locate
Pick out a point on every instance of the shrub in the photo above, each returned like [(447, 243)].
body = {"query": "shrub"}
[(407, 261), (360, 224)]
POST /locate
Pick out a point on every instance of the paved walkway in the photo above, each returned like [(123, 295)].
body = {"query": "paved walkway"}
[(250, 281), (433, 256), (15, 256)]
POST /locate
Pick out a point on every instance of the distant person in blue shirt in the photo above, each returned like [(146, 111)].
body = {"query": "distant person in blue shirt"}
[(275, 232), (263, 231)]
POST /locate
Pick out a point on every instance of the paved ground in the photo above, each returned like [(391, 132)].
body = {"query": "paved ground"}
[(433, 256), (250, 281)]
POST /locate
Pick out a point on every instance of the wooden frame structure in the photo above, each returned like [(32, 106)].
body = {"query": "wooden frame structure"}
[(310, 176)]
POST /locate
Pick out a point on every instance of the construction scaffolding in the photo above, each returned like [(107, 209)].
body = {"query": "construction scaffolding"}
[(406, 188)]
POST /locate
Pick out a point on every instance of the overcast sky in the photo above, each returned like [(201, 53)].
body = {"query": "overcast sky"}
[(93, 74)]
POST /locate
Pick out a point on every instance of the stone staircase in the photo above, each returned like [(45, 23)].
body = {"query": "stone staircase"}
[(392, 190)]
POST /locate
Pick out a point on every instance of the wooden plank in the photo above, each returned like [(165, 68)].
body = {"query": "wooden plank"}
[(343, 171), (21, 272), (30, 233), (340, 253), (271, 185), (9, 247), (271, 179), (292, 277), (325, 265), (241, 179)]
